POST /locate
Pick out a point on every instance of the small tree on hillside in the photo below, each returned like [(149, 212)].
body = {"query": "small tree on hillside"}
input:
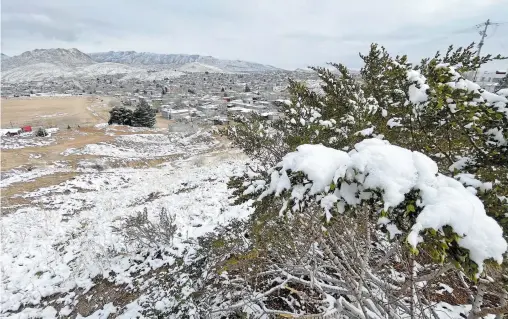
[(41, 132), (120, 115), (143, 115), (247, 88)]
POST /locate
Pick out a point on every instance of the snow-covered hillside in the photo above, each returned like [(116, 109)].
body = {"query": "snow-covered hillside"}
[(49, 71), (56, 250), (236, 65), (43, 65), (144, 75), (147, 58), (34, 72), (61, 57), (199, 67)]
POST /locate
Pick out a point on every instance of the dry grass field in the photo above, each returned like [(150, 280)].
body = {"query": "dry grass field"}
[(54, 111)]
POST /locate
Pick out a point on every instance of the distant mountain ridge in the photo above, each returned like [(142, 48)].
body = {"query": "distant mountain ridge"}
[(61, 57), (47, 64), (147, 58)]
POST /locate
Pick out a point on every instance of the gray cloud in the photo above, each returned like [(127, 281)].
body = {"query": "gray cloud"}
[(284, 33)]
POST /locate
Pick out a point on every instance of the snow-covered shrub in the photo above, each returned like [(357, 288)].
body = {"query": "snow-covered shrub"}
[(437, 184), (141, 230), (409, 196)]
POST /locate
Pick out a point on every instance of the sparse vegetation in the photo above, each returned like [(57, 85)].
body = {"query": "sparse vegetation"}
[(41, 132), (140, 230)]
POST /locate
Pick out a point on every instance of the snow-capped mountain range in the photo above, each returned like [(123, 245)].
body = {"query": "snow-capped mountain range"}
[(147, 58), (46, 64)]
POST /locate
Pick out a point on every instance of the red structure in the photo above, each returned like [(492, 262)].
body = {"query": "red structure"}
[(27, 128)]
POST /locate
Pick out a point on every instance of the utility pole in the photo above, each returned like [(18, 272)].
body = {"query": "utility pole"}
[(480, 45), (482, 41)]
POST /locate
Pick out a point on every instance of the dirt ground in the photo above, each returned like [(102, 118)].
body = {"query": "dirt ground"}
[(54, 111), (58, 112)]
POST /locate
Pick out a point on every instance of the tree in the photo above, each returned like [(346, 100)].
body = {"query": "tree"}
[(143, 115), (41, 132), (222, 89), (120, 115), (247, 88)]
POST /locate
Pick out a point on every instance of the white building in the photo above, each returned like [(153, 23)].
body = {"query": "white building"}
[(207, 107), (488, 80), (171, 114)]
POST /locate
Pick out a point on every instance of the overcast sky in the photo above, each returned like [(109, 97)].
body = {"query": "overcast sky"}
[(283, 33)]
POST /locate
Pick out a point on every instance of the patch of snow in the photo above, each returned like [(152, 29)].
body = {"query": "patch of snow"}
[(377, 165), (24, 175), (23, 141), (66, 239)]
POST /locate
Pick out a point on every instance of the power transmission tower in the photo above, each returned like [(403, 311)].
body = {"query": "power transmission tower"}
[(483, 33)]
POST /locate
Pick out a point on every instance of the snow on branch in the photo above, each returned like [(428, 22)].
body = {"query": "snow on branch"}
[(337, 180)]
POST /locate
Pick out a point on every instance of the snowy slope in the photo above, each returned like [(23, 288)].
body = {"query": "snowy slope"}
[(61, 57), (199, 67), (99, 69), (144, 75), (34, 72), (236, 65), (49, 71), (65, 238), (146, 58), (47, 64), (306, 70)]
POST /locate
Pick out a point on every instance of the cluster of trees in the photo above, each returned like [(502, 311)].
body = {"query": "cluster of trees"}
[(142, 116)]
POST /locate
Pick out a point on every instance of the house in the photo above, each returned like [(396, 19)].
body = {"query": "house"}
[(171, 114), (488, 80), (207, 108)]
